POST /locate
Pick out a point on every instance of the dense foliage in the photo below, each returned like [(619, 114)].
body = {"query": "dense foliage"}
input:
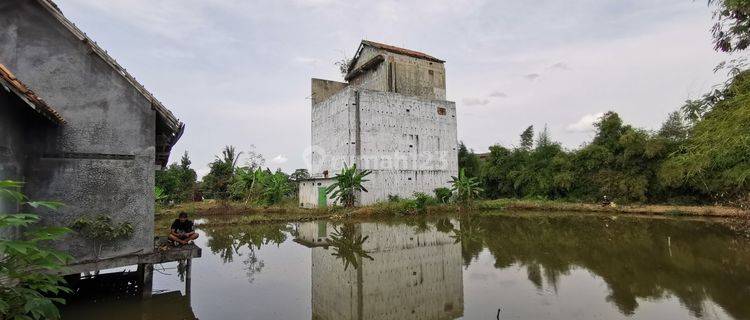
[(731, 30), (177, 182), (25, 291), (698, 156)]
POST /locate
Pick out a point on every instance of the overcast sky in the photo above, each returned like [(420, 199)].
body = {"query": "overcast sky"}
[(238, 72)]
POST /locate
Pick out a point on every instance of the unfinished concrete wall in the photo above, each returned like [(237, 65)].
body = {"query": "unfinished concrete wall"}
[(417, 134), (323, 89), (375, 78), (102, 160), (15, 117), (410, 144), (402, 74), (411, 276), (333, 133)]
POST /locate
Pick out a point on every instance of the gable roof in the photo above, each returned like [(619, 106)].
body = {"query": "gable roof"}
[(390, 48), (163, 114), (12, 84)]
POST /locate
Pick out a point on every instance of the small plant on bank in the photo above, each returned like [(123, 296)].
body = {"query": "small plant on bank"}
[(394, 198), (347, 183), (443, 195), (101, 231), (159, 194), (24, 286), (465, 189), (422, 200)]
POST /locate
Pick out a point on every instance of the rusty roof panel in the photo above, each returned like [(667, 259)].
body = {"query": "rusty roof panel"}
[(12, 83), (406, 52)]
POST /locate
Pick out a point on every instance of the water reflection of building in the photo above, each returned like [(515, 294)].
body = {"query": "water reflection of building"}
[(412, 275), (118, 295)]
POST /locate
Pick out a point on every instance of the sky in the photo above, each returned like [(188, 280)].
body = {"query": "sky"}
[(237, 72)]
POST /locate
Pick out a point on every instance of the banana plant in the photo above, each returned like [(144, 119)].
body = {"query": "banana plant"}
[(347, 183)]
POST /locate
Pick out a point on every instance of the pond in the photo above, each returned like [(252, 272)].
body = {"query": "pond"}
[(504, 266)]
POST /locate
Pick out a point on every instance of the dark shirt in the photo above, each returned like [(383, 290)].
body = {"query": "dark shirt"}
[(182, 227)]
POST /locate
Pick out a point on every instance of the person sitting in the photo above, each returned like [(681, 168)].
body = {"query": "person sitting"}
[(182, 230)]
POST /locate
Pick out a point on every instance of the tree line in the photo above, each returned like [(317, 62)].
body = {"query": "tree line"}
[(227, 180), (700, 155)]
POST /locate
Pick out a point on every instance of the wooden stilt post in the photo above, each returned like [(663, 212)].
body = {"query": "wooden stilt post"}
[(146, 279), (188, 270)]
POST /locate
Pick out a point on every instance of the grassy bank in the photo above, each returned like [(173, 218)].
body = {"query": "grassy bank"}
[(647, 209), (218, 213)]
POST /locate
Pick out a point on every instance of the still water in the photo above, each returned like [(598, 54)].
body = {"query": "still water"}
[(508, 266)]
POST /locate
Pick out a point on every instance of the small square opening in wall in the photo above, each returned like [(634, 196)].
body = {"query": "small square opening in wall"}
[(407, 110), (441, 111)]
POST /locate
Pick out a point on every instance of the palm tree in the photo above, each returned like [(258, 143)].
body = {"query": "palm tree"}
[(466, 189), (347, 184), (230, 156)]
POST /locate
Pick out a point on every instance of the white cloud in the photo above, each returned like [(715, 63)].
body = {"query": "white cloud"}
[(585, 124), (306, 60), (532, 76), (476, 102), (498, 94), (559, 66), (280, 159)]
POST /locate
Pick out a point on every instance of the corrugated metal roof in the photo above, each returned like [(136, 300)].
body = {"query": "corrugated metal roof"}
[(389, 48), (10, 82), (163, 113)]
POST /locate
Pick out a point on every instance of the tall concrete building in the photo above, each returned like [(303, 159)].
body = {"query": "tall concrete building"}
[(410, 275), (391, 117)]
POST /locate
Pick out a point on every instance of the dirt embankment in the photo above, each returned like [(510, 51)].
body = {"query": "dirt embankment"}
[(234, 213)]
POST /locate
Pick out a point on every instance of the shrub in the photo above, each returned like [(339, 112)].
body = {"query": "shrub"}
[(443, 195), (24, 287)]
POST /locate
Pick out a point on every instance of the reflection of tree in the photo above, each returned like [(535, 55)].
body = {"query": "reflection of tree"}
[(347, 243), (469, 235), (253, 265), (232, 241), (444, 225), (421, 226), (699, 261)]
